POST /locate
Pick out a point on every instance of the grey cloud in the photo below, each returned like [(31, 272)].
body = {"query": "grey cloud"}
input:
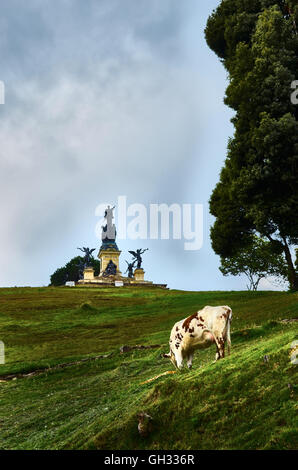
[(102, 100), (41, 37), (93, 109)]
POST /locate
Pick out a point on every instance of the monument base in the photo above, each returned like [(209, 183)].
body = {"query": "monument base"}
[(139, 274), (103, 285), (109, 253), (111, 281), (88, 274)]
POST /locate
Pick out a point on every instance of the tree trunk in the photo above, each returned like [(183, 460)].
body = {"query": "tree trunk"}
[(292, 274)]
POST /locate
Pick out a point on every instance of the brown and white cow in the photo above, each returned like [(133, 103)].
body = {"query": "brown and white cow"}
[(208, 326)]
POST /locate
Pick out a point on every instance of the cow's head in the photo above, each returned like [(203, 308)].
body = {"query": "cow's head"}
[(172, 357)]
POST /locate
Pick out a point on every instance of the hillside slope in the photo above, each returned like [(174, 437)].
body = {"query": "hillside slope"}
[(241, 402)]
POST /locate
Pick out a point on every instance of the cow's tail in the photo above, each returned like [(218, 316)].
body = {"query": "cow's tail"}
[(229, 331)]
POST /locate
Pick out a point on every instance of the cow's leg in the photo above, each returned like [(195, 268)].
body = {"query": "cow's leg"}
[(173, 358), (220, 345), (189, 359), (222, 348), (179, 359), (228, 333)]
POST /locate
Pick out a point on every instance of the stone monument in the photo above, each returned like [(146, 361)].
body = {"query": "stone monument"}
[(109, 253), (86, 271), (130, 267), (139, 273)]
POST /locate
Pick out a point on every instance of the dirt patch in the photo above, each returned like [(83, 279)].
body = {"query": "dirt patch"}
[(7, 378), (125, 349)]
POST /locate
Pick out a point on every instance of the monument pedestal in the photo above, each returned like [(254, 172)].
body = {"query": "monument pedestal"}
[(116, 280), (88, 273), (106, 255), (139, 274)]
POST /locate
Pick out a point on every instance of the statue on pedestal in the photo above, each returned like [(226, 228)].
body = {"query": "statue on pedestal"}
[(88, 255), (111, 269), (109, 230), (130, 267), (81, 266), (137, 255)]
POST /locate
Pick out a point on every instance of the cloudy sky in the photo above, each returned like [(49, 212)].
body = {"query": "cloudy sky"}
[(107, 98)]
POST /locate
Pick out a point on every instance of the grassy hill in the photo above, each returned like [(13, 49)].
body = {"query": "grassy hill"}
[(241, 402)]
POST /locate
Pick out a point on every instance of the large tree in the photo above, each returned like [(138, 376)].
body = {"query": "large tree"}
[(257, 42)]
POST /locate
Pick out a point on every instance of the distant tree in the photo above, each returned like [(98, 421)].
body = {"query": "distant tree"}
[(59, 277), (256, 261), (71, 271)]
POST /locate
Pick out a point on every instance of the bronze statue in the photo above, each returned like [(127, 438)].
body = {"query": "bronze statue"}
[(137, 255), (110, 270), (81, 266), (88, 255), (130, 267)]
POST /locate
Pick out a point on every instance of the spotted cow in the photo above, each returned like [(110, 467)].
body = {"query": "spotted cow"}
[(208, 326)]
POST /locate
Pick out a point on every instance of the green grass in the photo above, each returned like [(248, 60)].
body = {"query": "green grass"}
[(240, 402)]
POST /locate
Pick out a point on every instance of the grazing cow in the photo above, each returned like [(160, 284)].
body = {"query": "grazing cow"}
[(208, 326)]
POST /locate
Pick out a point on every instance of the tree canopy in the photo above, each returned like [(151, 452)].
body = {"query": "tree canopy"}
[(257, 41)]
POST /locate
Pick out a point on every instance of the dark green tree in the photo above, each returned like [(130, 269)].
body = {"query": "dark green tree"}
[(256, 261), (257, 42), (71, 271), (59, 277)]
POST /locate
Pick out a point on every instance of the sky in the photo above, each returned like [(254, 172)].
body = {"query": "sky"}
[(108, 98)]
